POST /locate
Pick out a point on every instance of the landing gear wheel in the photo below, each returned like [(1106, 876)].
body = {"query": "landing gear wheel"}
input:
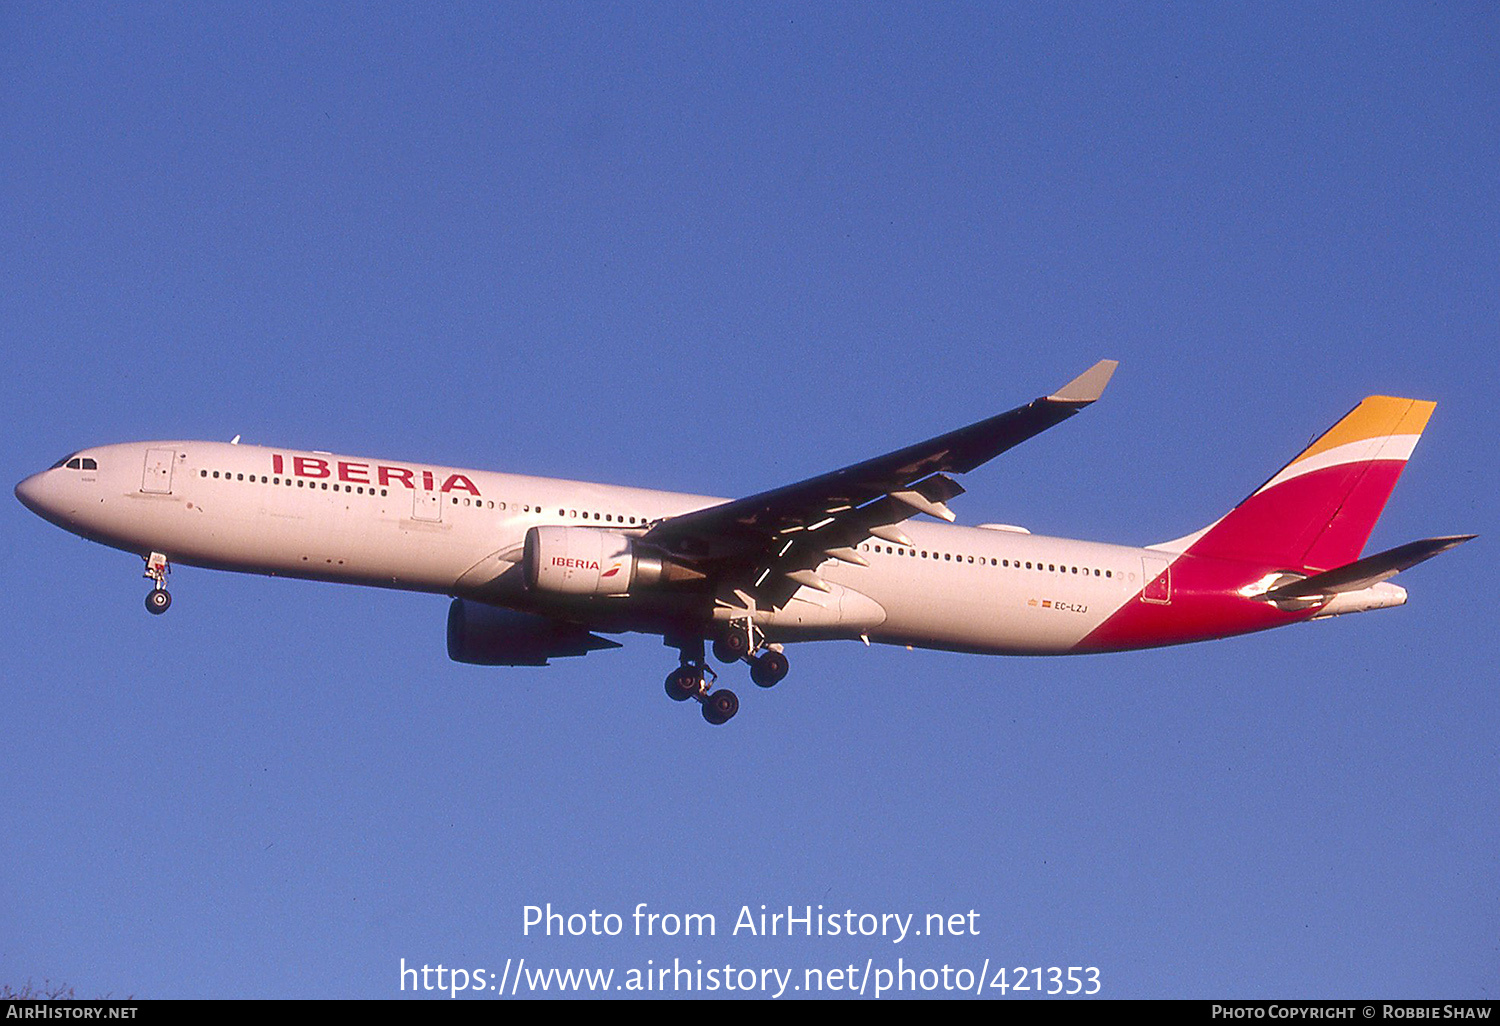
[(683, 683), (768, 669), (731, 648), (158, 601), (720, 706)]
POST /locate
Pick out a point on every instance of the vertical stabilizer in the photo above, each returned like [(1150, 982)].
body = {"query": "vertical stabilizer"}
[(1318, 510)]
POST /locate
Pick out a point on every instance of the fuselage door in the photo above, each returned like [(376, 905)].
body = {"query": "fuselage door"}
[(1156, 573), (427, 504), (158, 476)]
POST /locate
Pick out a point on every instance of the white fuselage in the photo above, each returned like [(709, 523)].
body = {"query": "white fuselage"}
[(459, 532)]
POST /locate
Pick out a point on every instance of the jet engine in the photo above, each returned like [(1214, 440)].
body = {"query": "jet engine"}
[(490, 636), (588, 561)]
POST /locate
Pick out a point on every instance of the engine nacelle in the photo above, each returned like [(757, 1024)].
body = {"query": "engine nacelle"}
[(587, 561), (490, 636)]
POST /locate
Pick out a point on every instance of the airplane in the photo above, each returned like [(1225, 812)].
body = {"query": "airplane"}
[(540, 568)]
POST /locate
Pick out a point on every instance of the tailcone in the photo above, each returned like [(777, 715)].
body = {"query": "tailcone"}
[(1384, 595)]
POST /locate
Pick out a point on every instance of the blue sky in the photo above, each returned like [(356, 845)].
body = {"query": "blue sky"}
[(719, 249)]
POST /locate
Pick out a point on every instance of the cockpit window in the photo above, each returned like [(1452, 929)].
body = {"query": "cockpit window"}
[(76, 463), (89, 463)]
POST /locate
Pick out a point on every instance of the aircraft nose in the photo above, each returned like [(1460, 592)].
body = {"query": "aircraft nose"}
[(29, 492)]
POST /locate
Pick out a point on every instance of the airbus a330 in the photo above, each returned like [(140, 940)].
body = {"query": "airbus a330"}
[(540, 568)]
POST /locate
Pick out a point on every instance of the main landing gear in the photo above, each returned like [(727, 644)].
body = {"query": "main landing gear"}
[(742, 641), (695, 678), (158, 599)]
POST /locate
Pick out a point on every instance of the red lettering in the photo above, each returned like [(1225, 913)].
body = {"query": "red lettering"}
[(307, 466), (359, 473), (389, 474)]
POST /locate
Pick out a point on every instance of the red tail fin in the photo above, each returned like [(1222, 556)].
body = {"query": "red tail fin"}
[(1318, 511)]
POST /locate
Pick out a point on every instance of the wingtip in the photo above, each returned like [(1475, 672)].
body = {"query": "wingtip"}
[(1088, 386)]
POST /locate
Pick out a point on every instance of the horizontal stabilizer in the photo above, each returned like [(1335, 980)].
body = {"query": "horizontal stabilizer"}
[(1363, 573)]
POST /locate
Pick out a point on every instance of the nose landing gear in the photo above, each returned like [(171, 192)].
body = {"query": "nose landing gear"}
[(158, 599)]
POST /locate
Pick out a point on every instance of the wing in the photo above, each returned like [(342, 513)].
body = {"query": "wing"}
[(769, 545)]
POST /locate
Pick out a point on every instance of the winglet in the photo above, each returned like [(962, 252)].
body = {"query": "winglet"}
[(1088, 386)]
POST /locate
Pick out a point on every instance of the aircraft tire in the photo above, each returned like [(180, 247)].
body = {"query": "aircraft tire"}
[(720, 706), (731, 648), (681, 683), (769, 669), (158, 601)]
